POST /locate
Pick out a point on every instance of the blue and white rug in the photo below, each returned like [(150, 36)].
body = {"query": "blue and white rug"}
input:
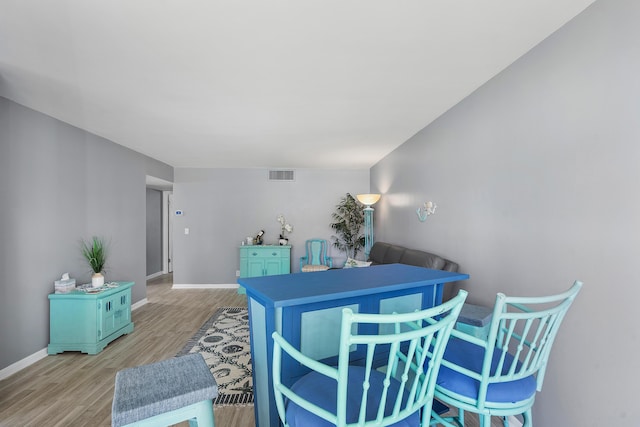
[(223, 341)]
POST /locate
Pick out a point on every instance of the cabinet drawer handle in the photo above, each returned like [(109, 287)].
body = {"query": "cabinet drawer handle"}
[(255, 254), (275, 254)]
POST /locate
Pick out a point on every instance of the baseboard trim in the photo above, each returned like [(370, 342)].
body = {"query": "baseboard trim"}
[(139, 304), (21, 364), (205, 286), (154, 275), (514, 422)]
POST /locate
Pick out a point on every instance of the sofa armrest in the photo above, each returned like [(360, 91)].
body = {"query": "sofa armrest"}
[(450, 266)]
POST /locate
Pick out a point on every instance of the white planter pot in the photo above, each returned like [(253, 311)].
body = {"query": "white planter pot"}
[(97, 280)]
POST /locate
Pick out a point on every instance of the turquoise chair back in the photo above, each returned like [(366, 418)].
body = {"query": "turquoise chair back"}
[(316, 253), (500, 376), (385, 374)]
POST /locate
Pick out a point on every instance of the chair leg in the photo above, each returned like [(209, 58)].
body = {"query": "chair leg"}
[(527, 418), (485, 420), (204, 416)]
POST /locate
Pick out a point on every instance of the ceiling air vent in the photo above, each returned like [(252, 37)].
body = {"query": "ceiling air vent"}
[(281, 175)]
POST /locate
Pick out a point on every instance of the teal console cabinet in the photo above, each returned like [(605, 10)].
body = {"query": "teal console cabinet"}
[(264, 260), (85, 322)]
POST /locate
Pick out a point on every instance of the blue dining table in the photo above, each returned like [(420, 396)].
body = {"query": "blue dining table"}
[(306, 309)]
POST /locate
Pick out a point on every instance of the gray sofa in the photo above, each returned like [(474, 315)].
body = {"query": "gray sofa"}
[(386, 253)]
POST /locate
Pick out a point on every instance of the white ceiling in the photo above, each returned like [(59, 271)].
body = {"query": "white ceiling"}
[(262, 83)]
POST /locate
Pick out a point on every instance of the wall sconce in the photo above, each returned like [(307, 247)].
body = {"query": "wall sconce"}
[(368, 200), (423, 212)]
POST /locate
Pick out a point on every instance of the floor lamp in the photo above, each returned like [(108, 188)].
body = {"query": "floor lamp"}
[(368, 200)]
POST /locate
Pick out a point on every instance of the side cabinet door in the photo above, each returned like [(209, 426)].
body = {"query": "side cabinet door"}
[(256, 267), (273, 266), (106, 314), (285, 262), (244, 265), (122, 315)]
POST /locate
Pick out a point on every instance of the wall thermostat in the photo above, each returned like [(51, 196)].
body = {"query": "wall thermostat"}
[(179, 213)]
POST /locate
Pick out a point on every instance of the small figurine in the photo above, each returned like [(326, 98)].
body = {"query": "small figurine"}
[(259, 239)]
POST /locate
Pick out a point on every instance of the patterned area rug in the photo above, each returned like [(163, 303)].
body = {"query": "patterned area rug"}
[(224, 342)]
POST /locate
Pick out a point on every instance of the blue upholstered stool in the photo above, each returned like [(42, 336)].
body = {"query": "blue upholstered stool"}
[(165, 393), (475, 320)]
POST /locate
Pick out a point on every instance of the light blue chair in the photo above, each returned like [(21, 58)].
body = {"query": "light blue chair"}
[(386, 372), (316, 258), (500, 375)]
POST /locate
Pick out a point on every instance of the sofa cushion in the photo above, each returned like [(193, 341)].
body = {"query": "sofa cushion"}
[(393, 254), (379, 249), (386, 253), (422, 259)]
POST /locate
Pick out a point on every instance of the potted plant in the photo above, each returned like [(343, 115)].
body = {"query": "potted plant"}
[(348, 222), (285, 228), (95, 252)]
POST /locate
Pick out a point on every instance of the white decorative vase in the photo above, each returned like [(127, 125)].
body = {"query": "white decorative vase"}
[(97, 280)]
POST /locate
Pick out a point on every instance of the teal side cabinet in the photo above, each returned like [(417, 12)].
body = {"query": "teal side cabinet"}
[(264, 260), (84, 322)]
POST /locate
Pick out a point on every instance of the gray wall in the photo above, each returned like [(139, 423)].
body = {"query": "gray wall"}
[(59, 184), (158, 169), (536, 178), (224, 206), (154, 231)]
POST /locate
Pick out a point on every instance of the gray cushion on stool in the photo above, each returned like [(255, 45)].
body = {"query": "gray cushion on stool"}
[(475, 315), (145, 391)]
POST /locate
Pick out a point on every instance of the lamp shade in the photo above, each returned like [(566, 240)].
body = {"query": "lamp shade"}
[(368, 199)]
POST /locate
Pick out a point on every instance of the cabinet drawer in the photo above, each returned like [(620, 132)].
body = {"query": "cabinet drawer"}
[(266, 253)]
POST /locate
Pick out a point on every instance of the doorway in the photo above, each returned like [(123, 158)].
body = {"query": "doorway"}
[(159, 227), (167, 232)]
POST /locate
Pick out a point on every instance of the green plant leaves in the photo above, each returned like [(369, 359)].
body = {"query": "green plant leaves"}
[(95, 252), (348, 222)]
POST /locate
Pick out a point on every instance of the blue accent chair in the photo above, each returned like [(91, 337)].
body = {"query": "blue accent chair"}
[(385, 374), (316, 258), (500, 375)]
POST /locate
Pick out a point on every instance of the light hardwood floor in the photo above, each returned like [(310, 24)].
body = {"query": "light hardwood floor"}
[(73, 389)]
